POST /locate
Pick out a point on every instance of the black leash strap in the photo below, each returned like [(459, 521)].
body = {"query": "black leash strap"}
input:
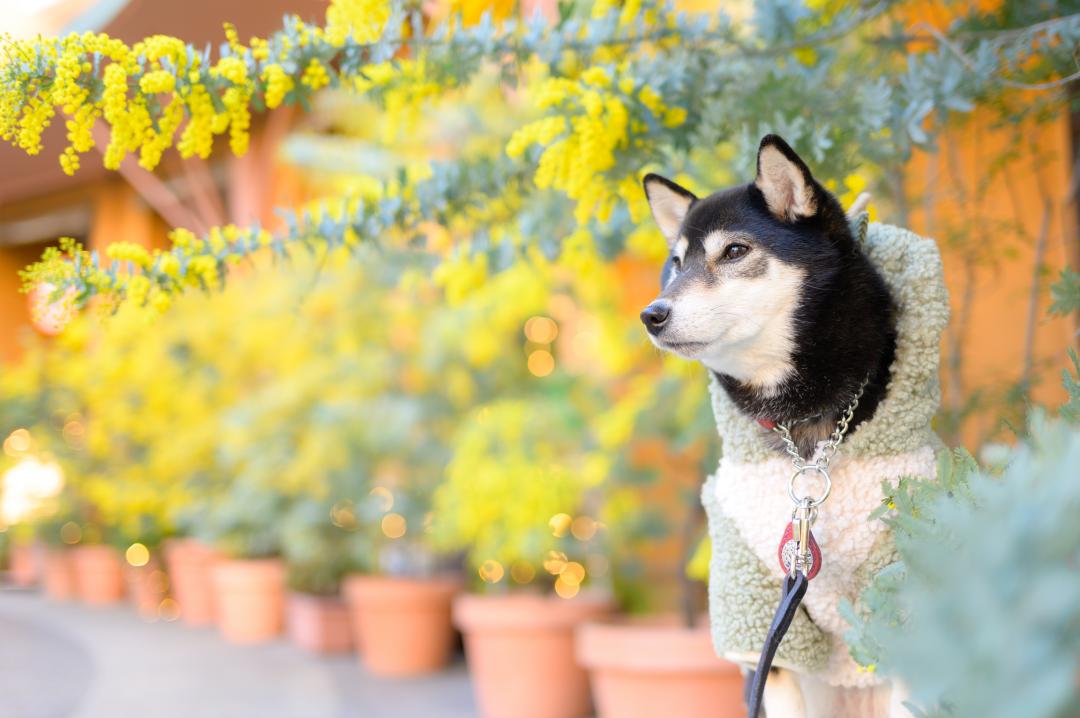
[(794, 589)]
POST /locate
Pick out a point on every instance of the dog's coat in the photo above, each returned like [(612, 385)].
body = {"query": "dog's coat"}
[(747, 503), (791, 309)]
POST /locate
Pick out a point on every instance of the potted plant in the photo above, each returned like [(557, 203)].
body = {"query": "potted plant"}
[(189, 564), (320, 548), (147, 583), (81, 560), (132, 515), (529, 562), (23, 554), (659, 664), (242, 523), (99, 573), (95, 558), (659, 660), (56, 535), (141, 531), (400, 606)]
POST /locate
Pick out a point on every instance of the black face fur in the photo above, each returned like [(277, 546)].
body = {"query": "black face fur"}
[(750, 241)]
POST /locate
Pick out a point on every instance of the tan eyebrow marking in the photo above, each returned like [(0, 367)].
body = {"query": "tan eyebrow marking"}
[(716, 241), (680, 248)]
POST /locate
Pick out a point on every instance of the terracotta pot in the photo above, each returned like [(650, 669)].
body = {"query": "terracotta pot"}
[(23, 564), (319, 624), (99, 574), (657, 669), (250, 599), (520, 651), (405, 623), (147, 587), (189, 563), (58, 575)]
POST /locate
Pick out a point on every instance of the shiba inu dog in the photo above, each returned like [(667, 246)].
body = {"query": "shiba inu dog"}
[(767, 285)]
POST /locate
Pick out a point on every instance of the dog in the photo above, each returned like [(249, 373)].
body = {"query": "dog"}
[(759, 288), (768, 286)]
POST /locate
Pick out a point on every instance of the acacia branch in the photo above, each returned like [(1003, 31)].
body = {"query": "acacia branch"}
[(968, 64)]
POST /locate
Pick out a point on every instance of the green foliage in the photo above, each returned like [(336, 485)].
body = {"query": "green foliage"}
[(1071, 409), (1066, 293), (321, 543), (980, 615), (837, 82)]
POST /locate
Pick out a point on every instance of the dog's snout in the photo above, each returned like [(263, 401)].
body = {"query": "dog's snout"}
[(655, 316)]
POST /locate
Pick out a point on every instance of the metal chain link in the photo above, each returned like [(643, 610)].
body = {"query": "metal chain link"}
[(833, 444), (821, 465)]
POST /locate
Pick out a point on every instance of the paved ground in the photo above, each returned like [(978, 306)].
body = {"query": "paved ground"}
[(66, 660)]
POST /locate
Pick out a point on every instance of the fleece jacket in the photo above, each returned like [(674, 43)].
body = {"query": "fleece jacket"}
[(747, 498)]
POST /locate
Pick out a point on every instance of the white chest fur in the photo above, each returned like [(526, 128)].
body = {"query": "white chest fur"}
[(755, 497)]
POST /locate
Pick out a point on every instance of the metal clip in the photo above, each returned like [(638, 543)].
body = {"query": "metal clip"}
[(801, 519)]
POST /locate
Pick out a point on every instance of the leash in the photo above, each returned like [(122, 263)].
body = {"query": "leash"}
[(798, 552)]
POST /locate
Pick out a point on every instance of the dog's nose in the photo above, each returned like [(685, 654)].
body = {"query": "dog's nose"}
[(655, 316)]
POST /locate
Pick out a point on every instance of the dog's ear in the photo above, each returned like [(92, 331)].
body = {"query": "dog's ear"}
[(785, 181), (669, 203)]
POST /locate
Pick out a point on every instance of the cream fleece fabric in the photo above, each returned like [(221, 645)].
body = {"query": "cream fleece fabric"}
[(748, 504)]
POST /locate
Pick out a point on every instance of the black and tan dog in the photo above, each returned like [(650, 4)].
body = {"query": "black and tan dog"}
[(768, 287)]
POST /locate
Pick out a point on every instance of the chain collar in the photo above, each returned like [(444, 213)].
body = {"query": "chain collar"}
[(820, 465)]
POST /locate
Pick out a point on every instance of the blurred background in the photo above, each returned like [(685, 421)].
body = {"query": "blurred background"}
[(292, 495)]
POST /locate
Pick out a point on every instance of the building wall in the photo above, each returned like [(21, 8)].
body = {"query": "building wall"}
[(997, 200), (117, 214)]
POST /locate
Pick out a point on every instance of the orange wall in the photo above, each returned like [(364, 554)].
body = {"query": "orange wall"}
[(120, 215), (990, 218), (14, 309)]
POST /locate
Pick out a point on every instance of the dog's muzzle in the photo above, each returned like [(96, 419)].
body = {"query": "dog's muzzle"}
[(655, 316)]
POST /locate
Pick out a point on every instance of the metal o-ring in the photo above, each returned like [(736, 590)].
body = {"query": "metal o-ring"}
[(814, 503)]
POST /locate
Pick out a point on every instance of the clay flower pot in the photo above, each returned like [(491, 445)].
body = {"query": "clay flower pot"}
[(520, 651), (58, 574), (319, 624), (147, 587), (657, 669), (404, 622), (99, 574), (250, 599), (189, 563), (23, 564)]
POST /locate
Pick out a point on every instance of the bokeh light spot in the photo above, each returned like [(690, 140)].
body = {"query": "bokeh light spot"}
[(169, 610), (71, 533), (541, 330), (583, 528), (394, 525), (560, 525), (491, 571), (26, 487), (565, 589), (74, 431), (522, 572), (137, 554), (541, 363), (343, 514), (555, 562), (572, 573), (17, 442), (383, 494)]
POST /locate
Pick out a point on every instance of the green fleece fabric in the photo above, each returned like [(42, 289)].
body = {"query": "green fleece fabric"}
[(743, 594)]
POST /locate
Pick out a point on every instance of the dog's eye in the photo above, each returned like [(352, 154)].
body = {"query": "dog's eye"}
[(734, 251)]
